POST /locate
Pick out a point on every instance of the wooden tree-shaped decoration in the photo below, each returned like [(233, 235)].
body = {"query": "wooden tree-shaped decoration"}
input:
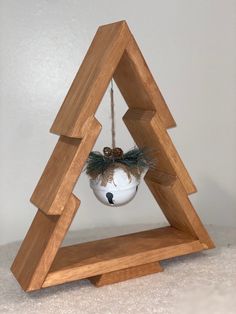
[(40, 261)]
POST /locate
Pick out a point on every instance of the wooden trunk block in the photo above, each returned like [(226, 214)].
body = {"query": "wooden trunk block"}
[(126, 274)]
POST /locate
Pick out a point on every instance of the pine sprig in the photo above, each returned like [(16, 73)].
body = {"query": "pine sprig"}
[(97, 164), (135, 161), (137, 158)]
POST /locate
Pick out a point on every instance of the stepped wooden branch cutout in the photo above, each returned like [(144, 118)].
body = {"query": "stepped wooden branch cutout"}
[(41, 262)]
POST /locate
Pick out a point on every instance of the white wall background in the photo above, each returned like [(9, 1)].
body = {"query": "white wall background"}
[(190, 46)]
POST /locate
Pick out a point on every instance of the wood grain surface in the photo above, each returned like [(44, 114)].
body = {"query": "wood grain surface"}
[(63, 170), (147, 130), (92, 80), (178, 209), (40, 246), (107, 255), (113, 51), (138, 86)]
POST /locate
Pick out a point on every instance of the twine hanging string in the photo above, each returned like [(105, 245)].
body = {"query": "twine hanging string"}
[(113, 134), (133, 162)]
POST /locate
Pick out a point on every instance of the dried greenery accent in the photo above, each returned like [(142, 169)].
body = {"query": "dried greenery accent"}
[(133, 162)]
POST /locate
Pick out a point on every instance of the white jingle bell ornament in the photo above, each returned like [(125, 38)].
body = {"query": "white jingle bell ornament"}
[(114, 176), (121, 190)]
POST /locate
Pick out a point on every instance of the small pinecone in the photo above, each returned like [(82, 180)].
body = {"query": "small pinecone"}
[(117, 152), (107, 151)]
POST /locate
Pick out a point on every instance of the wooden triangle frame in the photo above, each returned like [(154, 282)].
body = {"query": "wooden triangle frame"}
[(40, 261)]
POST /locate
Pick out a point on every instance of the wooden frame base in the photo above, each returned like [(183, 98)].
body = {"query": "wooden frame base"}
[(111, 255), (41, 261)]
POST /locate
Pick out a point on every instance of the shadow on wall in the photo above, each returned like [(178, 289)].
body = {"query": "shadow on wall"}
[(212, 201)]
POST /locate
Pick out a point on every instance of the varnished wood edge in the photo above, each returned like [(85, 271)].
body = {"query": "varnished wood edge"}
[(53, 208), (124, 36)]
